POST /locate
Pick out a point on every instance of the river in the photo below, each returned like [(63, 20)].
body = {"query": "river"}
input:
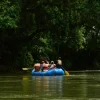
[(76, 86)]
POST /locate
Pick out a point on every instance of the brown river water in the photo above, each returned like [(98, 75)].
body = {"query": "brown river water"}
[(76, 86)]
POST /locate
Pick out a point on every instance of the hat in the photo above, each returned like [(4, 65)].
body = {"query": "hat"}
[(52, 62)]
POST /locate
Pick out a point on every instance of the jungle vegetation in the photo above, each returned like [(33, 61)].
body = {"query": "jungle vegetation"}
[(32, 30)]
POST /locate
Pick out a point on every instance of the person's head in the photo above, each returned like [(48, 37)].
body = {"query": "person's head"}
[(46, 61), (52, 62), (59, 58), (43, 61)]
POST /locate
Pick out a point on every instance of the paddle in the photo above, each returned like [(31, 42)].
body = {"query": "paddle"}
[(24, 69), (66, 72)]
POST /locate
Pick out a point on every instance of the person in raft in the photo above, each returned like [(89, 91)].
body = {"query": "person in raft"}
[(37, 67), (59, 63), (46, 61), (45, 66), (41, 65), (52, 65)]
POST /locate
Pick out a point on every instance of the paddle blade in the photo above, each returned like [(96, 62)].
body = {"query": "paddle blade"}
[(66, 72), (24, 68)]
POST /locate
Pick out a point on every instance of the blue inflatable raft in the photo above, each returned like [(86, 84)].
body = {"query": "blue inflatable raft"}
[(51, 72)]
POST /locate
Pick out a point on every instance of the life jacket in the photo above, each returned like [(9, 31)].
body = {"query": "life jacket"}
[(37, 67), (45, 66), (59, 62)]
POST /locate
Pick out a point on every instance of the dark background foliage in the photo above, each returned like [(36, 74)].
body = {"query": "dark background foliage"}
[(32, 30)]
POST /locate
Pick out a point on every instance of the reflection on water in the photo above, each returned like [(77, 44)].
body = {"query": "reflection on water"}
[(45, 85), (77, 86), (50, 85)]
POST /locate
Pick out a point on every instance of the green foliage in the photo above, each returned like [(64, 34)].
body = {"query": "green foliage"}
[(47, 28), (9, 14), (25, 59), (90, 18), (80, 39), (45, 49)]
